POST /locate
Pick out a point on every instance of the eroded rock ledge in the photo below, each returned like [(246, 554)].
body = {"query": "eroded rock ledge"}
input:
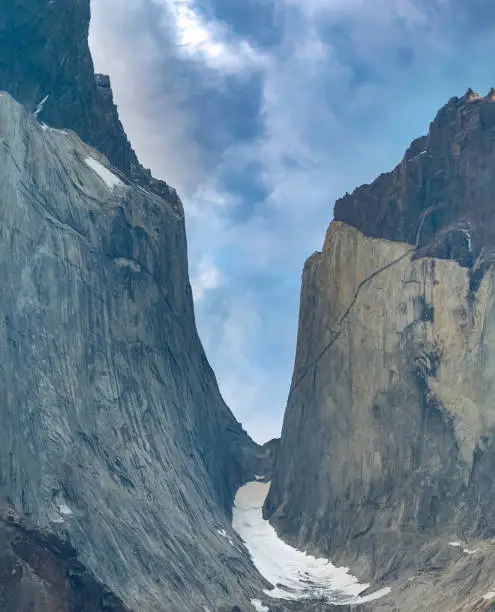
[(41, 573)]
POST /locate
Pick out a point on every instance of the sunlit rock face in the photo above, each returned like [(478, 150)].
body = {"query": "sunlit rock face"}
[(388, 438)]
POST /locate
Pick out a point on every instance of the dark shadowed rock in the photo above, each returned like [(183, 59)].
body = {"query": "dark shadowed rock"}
[(41, 573), (442, 193)]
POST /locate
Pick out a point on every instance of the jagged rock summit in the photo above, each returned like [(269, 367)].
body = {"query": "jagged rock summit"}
[(440, 197), (46, 65), (118, 456), (388, 444)]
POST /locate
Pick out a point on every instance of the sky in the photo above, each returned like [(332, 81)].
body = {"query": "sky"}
[(261, 113)]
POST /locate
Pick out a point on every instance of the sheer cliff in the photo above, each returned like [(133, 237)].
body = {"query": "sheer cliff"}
[(118, 456), (388, 442)]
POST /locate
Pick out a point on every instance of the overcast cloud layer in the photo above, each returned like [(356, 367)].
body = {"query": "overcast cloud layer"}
[(263, 112)]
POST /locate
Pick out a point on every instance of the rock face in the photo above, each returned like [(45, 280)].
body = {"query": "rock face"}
[(41, 573), (441, 194), (388, 442), (114, 432), (115, 440)]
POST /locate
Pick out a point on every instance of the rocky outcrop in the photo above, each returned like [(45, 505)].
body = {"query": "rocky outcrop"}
[(114, 435), (388, 442), (45, 64), (444, 185), (41, 573)]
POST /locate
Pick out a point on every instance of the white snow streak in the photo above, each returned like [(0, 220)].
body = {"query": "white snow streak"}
[(455, 544), (107, 177), (225, 535), (258, 606), (294, 574), (123, 262), (489, 596), (39, 106), (65, 510)]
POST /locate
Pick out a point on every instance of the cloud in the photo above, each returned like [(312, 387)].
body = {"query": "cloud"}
[(208, 40), (208, 278), (184, 94), (262, 113)]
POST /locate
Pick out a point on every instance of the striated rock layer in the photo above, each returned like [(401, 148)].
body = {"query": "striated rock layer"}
[(388, 445), (114, 434), (115, 440)]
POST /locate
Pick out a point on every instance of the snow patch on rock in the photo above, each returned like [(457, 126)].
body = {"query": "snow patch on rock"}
[(124, 262), (294, 574), (258, 606), (225, 535), (107, 177)]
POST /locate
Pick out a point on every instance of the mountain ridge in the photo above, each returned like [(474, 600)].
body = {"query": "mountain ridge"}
[(387, 442)]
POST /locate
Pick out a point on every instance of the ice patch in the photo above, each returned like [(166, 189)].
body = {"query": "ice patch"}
[(489, 596), (467, 233), (62, 512), (143, 190), (455, 544), (39, 106), (420, 154), (65, 510), (123, 262), (258, 606), (259, 477), (225, 535), (47, 128), (470, 552), (108, 177), (294, 574)]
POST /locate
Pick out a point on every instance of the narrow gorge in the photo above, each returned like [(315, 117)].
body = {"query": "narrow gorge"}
[(126, 483)]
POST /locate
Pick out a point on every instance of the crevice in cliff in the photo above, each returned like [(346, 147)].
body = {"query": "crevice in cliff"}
[(336, 333)]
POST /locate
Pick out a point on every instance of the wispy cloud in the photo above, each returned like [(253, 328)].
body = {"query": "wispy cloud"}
[(208, 41), (208, 278), (262, 113)]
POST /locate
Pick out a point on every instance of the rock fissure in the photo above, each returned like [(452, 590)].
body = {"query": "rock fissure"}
[(397, 418)]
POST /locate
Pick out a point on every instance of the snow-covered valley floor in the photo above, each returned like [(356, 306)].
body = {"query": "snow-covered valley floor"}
[(294, 575)]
